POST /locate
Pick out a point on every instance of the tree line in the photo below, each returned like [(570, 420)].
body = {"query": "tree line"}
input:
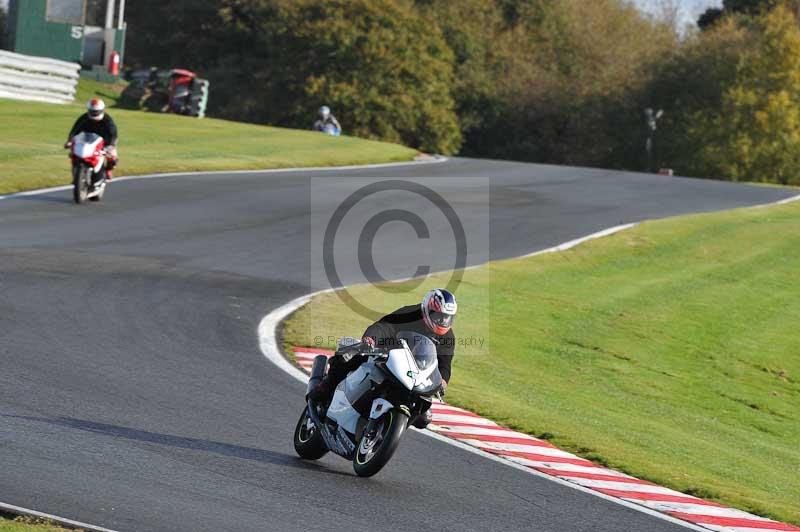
[(552, 81)]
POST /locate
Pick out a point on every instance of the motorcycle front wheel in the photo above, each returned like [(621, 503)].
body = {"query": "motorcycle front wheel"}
[(81, 178), (308, 442), (100, 194), (376, 448)]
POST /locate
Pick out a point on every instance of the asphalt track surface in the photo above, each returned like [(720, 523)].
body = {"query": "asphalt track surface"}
[(133, 394)]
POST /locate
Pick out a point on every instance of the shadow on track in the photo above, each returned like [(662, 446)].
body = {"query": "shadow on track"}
[(182, 442)]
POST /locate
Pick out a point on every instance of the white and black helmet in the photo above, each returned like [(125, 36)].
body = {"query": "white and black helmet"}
[(324, 112), (439, 309)]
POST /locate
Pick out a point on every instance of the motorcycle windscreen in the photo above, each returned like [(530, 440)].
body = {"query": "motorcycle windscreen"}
[(422, 348), (431, 385), (85, 144)]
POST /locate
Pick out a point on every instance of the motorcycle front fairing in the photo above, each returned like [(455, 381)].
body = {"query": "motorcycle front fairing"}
[(430, 386), (416, 363), (355, 401), (354, 397), (88, 147)]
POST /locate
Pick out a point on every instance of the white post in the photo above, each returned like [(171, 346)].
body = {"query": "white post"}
[(108, 34), (110, 14), (121, 16)]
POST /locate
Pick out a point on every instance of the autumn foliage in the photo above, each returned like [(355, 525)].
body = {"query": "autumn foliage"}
[(553, 81)]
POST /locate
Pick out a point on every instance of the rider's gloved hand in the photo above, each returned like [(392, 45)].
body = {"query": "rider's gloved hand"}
[(68, 145), (443, 388), (369, 342)]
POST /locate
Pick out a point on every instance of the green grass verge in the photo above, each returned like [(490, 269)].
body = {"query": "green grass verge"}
[(32, 136), (111, 93), (669, 351), (28, 524)]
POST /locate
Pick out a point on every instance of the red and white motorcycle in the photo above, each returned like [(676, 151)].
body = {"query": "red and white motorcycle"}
[(89, 156)]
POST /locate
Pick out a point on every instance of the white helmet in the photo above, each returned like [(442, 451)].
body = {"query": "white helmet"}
[(96, 109), (324, 112)]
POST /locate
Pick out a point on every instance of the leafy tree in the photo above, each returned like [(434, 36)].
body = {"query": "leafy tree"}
[(482, 47), (175, 34), (569, 90), (748, 8), (384, 70), (551, 81), (688, 84), (755, 134), (709, 17)]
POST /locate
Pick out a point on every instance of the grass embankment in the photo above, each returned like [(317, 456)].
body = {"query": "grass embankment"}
[(670, 351), (32, 136), (111, 93), (28, 524)]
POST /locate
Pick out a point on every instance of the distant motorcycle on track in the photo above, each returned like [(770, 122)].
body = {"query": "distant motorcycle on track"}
[(88, 155), (371, 408)]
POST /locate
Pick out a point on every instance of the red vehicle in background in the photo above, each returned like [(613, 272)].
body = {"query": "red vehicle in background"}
[(180, 90), (176, 90), (88, 154)]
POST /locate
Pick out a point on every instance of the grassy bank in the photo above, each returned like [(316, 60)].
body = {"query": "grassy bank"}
[(111, 93), (28, 524), (669, 351), (32, 135)]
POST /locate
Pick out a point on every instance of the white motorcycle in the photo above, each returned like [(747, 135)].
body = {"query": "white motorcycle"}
[(371, 408)]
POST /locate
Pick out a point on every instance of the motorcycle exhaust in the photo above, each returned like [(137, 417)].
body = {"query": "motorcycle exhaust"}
[(317, 371)]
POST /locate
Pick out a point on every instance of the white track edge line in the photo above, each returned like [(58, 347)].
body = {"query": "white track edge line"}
[(436, 160), (10, 508), (268, 335), (785, 201), (572, 243)]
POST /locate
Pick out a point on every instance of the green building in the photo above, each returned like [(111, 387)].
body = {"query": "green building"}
[(82, 31)]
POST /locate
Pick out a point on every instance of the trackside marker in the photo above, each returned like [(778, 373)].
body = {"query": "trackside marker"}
[(643, 495), (497, 439), (752, 522)]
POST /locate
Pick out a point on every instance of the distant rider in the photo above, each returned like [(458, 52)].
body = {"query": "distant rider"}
[(326, 118), (96, 120), (433, 319)]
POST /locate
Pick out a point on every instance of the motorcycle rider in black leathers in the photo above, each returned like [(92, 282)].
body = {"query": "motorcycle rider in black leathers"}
[(433, 319), (96, 120)]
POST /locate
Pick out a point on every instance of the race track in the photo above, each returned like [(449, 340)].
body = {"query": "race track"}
[(133, 394)]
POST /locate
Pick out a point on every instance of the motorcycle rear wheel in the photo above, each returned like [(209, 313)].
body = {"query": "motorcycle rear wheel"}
[(308, 442), (374, 451)]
